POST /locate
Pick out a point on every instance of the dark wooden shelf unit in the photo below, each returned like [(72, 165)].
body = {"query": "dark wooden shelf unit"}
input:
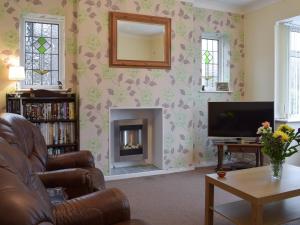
[(55, 113)]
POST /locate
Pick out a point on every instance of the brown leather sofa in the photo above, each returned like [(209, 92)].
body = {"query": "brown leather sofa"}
[(17, 131), (24, 199)]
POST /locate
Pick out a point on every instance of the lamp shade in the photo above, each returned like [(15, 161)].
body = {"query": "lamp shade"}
[(16, 73)]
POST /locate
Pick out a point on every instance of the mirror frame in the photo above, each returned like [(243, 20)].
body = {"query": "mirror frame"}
[(115, 62)]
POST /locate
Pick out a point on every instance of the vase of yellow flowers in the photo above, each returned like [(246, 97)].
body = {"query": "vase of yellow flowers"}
[(278, 145)]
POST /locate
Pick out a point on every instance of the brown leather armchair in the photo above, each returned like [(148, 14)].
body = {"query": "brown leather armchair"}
[(24, 199), (22, 134)]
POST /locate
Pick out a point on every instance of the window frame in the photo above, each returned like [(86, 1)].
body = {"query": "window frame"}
[(289, 55), (222, 70), (44, 18)]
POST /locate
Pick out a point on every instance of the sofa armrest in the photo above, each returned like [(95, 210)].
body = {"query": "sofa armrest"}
[(77, 182), (99, 208), (133, 222), (79, 159)]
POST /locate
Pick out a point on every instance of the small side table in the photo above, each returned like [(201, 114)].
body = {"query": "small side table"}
[(244, 148)]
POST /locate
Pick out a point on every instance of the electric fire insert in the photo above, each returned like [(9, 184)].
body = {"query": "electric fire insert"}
[(130, 138)]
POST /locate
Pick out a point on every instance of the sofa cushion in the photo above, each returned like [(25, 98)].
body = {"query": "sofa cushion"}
[(19, 131), (22, 194)]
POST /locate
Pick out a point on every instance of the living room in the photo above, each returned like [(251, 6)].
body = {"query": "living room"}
[(174, 97)]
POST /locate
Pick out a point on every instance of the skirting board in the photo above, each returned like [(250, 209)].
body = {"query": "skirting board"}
[(148, 173)]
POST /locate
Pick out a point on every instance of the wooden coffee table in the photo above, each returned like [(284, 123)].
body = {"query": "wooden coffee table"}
[(265, 201)]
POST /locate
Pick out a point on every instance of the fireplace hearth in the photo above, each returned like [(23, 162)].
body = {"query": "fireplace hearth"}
[(130, 139)]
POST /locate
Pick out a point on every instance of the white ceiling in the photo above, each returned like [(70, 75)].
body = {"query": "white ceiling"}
[(240, 6)]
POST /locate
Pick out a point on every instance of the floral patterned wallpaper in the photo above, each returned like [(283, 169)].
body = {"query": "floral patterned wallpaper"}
[(101, 87), (231, 26), (10, 13)]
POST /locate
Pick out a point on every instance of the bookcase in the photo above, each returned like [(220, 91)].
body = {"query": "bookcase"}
[(54, 113)]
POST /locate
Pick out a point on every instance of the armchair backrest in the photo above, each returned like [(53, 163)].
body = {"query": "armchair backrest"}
[(21, 133), (24, 199)]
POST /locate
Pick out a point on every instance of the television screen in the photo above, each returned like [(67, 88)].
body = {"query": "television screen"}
[(238, 119)]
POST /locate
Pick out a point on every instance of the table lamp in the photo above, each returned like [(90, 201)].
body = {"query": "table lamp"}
[(16, 73)]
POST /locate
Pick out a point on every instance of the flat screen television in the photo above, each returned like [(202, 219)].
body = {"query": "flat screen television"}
[(238, 119)]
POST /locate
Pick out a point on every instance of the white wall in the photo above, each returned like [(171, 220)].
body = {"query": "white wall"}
[(259, 47)]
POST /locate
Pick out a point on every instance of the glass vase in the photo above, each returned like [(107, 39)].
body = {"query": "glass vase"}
[(276, 167)]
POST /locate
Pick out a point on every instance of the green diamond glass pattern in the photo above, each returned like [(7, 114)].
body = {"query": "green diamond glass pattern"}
[(41, 45), (42, 40), (207, 57)]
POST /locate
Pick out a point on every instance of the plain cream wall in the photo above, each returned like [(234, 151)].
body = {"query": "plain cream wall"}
[(259, 47), (260, 53)]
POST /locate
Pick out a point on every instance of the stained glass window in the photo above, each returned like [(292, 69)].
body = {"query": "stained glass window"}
[(210, 62), (41, 53), (42, 50)]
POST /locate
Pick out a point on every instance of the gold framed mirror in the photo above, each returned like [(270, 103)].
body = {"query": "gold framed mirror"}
[(139, 41)]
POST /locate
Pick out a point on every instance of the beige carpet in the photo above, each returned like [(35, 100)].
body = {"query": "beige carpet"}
[(174, 199)]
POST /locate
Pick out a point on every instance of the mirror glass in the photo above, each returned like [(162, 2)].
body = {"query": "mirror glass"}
[(140, 41)]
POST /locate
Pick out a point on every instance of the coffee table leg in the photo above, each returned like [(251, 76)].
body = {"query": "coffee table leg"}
[(209, 203), (257, 214)]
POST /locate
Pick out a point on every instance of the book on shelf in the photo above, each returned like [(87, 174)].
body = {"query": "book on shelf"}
[(13, 106), (58, 133), (49, 111), (55, 151)]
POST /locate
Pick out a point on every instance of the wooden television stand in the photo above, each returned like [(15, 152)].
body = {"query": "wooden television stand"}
[(254, 148)]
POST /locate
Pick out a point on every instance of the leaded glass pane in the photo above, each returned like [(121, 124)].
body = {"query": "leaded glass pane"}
[(55, 46), (46, 79), (28, 61), (215, 57), (46, 30), (41, 53), (209, 45), (215, 45), (28, 44), (37, 29), (54, 77), (54, 62), (28, 29), (55, 31), (35, 62), (28, 77), (42, 45), (47, 62), (36, 79), (34, 44)]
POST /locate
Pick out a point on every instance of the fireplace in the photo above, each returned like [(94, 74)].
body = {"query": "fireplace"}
[(130, 139)]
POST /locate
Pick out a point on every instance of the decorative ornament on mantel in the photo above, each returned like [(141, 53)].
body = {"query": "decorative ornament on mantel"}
[(279, 145)]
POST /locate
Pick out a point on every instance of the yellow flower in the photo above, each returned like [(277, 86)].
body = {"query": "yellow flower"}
[(279, 134), (285, 128)]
